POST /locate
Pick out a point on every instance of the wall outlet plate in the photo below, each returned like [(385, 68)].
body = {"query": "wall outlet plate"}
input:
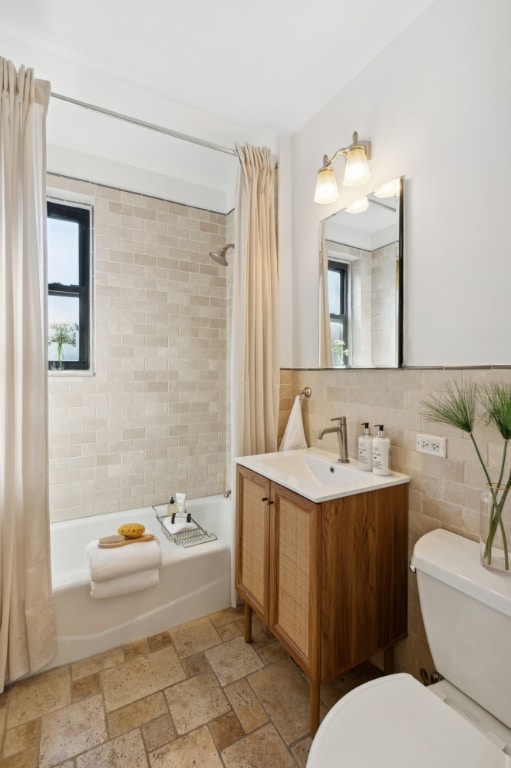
[(436, 446)]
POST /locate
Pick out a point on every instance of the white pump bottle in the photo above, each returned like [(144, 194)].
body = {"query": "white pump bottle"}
[(365, 449), (381, 452)]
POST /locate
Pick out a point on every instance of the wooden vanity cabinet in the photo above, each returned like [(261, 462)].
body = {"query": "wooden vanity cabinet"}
[(329, 580)]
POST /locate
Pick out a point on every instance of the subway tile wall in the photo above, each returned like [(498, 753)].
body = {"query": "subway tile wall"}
[(151, 420), (444, 493)]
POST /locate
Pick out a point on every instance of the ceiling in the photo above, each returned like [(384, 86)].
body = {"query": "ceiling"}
[(270, 65), (375, 227)]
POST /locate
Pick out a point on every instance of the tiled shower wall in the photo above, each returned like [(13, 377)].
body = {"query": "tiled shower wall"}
[(444, 493), (151, 418)]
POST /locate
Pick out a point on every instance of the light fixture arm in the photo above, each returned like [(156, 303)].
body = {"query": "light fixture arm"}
[(344, 150)]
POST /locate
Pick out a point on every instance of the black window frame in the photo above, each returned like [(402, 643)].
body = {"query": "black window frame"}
[(344, 270), (83, 217)]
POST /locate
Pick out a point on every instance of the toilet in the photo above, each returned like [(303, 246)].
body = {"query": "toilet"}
[(462, 721)]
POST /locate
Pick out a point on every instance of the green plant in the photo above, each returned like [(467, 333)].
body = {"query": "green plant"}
[(63, 333), (457, 406), (338, 352)]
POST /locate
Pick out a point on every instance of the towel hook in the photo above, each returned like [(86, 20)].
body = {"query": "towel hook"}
[(306, 392)]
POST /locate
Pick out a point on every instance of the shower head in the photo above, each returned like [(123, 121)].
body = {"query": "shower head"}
[(220, 255)]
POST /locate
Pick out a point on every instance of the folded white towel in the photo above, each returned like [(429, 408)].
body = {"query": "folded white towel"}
[(119, 561), (179, 525), (125, 585), (294, 436)]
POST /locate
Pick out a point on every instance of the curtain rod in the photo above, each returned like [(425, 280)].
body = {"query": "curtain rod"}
[(149, 126)]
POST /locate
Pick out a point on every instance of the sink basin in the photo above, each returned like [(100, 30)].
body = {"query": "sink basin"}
[(304, 464), (316, 474)]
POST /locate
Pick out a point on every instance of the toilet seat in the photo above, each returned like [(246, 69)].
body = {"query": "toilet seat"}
[(395, 722)]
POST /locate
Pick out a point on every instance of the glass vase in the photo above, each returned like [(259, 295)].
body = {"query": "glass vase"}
[(495, 529)]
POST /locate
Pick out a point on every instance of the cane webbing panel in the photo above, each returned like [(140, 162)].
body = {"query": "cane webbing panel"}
[(253, 546), (293, 573)]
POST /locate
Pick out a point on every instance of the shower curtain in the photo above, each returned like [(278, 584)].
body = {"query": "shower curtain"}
[(255, 371), (27, 625), (325, 346)]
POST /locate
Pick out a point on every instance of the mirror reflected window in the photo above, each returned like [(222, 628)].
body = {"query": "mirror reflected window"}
[(338, 280), (361, 287)]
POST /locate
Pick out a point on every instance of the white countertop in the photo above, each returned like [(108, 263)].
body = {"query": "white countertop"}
[(317, 475)]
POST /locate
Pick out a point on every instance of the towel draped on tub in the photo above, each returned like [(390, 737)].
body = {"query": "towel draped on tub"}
[(125, 585), (122, 570)]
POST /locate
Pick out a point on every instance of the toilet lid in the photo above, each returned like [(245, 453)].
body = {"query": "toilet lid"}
[(395, 722)]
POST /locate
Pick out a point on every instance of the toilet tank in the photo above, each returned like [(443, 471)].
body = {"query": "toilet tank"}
[(467, 617)]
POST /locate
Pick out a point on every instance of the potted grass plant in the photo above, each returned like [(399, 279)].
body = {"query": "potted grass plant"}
[(458, 406)]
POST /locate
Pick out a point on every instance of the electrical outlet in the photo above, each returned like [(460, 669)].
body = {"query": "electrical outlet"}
[(437, 446)]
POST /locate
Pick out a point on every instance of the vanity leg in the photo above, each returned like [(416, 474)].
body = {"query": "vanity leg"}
[(388, 660), (248, 623), (314, 708)]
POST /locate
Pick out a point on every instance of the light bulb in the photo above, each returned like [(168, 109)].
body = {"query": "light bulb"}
[(390, 189), (359, 205)]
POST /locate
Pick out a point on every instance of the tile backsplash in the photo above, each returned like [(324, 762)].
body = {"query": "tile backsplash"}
[(150, 418)]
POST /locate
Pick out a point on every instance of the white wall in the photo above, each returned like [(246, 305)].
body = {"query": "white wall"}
[(434, 104)]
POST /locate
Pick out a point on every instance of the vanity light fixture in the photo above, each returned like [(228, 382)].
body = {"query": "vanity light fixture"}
[(390, 189), (356, 170), (359, 205)]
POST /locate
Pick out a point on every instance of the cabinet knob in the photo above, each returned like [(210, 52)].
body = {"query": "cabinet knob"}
[(265, 498)]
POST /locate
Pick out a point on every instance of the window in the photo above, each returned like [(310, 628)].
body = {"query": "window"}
[(68, 287), (338, 279)]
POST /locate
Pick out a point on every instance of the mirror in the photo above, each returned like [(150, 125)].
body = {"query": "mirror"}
[(361, 285)]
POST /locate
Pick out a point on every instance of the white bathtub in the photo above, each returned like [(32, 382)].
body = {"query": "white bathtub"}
[(194, 581)]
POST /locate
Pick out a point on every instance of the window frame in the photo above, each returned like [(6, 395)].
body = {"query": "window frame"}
[(82, 215), (336, 265)]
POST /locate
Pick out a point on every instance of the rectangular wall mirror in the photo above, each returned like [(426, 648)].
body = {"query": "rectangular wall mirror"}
[(361, 285)]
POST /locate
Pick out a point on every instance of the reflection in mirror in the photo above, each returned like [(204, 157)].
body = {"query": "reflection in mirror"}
[(361, 286)]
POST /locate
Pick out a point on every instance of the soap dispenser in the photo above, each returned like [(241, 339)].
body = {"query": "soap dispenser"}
[(171, 507), (365, 449), (381, 452)]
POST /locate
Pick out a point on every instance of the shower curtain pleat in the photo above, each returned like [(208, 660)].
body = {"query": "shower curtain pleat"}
[(27, 624)]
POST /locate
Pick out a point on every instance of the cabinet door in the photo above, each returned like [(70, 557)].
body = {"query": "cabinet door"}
[(365, 562), (252, 541), (295, 535)]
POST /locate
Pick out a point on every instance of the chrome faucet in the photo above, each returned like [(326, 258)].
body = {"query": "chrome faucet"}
[(342, 437)]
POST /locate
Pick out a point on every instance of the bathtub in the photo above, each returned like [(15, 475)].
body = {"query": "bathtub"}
[(194, 581)]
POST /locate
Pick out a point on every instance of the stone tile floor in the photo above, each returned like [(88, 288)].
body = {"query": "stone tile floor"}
[(195, 696)]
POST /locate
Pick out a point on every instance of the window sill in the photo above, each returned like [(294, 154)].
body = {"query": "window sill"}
[(70, 374)]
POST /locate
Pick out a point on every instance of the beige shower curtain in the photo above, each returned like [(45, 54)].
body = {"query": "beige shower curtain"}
[(255, 337), (325, 346), (27, 626)]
